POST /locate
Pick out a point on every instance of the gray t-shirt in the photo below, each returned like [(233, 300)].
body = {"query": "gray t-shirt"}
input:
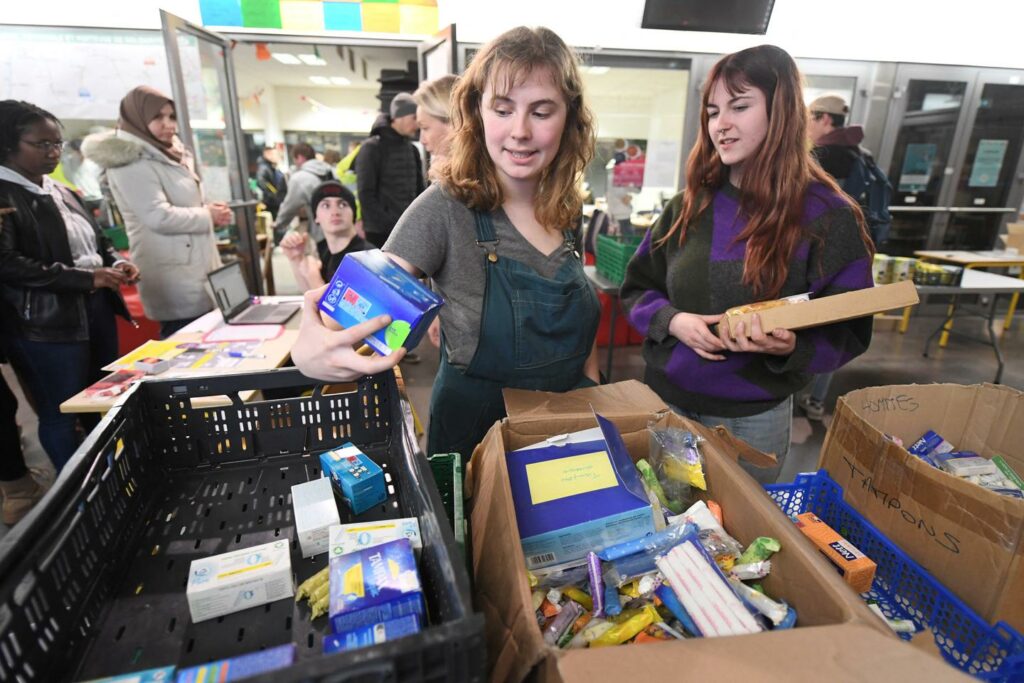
[(437, 234)]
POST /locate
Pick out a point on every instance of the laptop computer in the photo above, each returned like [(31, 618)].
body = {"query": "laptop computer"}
[(231, 292)]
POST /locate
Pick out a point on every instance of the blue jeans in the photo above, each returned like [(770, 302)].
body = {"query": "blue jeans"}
[(768, 432), (55, 371), (819, 386)]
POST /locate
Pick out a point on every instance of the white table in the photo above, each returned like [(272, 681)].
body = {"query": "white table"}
[(273, 353), (974, 282)]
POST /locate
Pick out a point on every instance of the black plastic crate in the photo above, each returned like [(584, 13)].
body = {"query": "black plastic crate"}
[(92, 583)]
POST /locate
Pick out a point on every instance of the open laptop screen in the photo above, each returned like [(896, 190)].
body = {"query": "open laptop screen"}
[(229, 288)]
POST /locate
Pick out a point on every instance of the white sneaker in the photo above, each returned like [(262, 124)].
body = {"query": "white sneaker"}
[(814, 408)]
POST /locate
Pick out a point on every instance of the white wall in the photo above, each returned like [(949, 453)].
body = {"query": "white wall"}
[(110, 13), (981, 32)]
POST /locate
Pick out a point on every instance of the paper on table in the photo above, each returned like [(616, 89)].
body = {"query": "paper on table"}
[(165, 349), (231, 333)]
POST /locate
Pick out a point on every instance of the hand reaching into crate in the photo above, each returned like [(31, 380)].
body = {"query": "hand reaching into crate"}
[(330, 355)]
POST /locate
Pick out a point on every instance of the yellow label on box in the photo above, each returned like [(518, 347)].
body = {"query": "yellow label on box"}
[(243, 570), (570, 476)]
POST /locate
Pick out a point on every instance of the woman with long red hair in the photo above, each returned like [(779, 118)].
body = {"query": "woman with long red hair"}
[(759, 220)]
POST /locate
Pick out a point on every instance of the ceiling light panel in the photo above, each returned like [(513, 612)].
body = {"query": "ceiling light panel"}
[(313, 60), (285, 58)]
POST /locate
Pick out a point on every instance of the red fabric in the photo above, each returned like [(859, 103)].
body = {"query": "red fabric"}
[(625, 334)]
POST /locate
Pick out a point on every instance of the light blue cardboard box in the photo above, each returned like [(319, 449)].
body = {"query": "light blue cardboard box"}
[(163, 674), (368, 284), (577, 496)]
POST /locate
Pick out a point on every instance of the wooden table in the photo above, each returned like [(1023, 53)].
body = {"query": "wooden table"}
[(974, 282), (274, 352), (970, 260)]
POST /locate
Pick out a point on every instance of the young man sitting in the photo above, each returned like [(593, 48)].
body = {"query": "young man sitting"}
[(333, 207)]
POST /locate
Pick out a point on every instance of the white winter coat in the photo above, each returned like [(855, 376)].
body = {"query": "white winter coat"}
[(170, 232)]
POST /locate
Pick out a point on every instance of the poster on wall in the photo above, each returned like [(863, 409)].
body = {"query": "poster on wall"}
[(34, 67), (917, 166), (988, 163)]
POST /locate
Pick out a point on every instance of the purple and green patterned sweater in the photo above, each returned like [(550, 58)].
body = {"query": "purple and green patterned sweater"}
[(704, 277)]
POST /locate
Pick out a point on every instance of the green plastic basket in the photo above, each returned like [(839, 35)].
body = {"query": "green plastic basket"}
[(613, 254), (449, 477), (118, 237)]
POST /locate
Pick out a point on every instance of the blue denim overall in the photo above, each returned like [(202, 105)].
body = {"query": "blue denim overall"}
[(535, 333)]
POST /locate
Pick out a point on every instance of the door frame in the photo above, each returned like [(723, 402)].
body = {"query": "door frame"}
[(242, 202)]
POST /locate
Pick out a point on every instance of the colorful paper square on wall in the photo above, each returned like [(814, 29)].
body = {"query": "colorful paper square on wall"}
[(343, 16), (302, 15), (261, 13), (380, 17), (417, 19), (221, 12), (376, 16)]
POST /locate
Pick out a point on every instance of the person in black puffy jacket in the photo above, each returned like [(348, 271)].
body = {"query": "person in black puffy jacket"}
[(389, 170), (59, 277)]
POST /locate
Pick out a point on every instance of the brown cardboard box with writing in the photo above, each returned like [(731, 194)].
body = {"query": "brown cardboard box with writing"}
[(971, 539), (835, 629)]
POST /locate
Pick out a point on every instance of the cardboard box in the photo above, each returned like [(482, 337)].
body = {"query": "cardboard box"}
[(359, 480), (574, 496), (368, 284), (827, 309), (237, 668), (835, 629), (1014, 241), (348, 538), (315, 513), (374, 585), (970, 538), (364, 636), (234, 581)]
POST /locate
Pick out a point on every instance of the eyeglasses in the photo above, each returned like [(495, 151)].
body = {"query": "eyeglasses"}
[(46, 146)]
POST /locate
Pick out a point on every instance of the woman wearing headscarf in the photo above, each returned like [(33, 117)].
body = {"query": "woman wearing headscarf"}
[(169, 224)]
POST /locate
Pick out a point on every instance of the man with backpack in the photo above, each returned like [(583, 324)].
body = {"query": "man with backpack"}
[(309, 173), (837, 148)]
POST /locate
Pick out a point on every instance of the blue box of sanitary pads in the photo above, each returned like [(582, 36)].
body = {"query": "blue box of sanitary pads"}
[(374, 585), (240, 667), (368, 284), (364, 636)]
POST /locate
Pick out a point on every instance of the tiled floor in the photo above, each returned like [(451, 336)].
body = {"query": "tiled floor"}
[(892, 359)]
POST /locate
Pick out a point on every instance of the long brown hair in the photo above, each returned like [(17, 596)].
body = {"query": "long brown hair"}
[(775, 179), (470, 175)]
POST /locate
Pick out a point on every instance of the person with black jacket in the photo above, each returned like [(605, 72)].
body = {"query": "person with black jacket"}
[(388, 169), (271, 180), (59, 277)]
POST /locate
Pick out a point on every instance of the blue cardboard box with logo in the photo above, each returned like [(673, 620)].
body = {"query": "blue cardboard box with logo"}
[(577, 493), (368, 284), (374, 584)]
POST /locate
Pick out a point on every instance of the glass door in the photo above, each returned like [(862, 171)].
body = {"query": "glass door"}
[(988, 179), (439, 55), (918, 152), (203, 85)]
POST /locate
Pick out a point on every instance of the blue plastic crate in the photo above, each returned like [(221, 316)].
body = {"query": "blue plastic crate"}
[(904, 590)]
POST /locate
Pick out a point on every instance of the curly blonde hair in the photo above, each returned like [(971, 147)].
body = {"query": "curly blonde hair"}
[(470, 175), (436, 97)]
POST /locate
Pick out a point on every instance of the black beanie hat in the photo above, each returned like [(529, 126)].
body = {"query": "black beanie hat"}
[(332, 188)]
